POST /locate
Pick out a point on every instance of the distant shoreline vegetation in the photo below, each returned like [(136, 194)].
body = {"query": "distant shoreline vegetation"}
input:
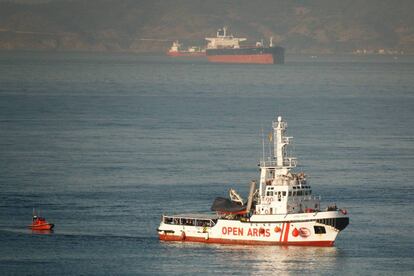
[(150, 26), (23, 40)]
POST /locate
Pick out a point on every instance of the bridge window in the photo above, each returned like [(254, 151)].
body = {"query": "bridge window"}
[(168, 220), (191, 222), (188, 221), (319, 229)]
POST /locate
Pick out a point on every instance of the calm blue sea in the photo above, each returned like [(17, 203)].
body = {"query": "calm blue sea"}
[(104, 144)]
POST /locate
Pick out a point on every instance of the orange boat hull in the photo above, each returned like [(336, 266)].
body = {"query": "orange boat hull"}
[(45, 226)]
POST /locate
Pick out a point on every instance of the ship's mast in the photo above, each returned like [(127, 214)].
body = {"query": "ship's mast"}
[(283, 162)]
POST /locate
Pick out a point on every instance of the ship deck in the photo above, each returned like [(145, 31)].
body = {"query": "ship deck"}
[(200, 216)]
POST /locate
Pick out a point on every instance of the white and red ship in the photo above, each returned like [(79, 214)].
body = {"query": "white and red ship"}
[(282, 211), (177, 50), (226, 48)]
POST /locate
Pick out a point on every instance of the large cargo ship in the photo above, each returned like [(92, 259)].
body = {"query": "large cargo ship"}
[(282, 211), (227, 49), (177, 50)]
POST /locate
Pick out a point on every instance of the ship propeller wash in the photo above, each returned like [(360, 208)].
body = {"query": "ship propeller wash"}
[(282, 211)]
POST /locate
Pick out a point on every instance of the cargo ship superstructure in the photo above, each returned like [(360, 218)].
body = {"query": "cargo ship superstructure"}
[(282, 211), (226, 48)]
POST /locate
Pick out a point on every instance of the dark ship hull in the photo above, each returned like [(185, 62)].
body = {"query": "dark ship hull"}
[(255, 55)]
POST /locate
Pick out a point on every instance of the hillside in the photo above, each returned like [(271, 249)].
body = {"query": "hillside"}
[(318, 26)]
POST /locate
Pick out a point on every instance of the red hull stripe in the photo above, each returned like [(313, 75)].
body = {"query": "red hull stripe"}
[(287, 232), (257, 59), (281, 233), (164, 237)]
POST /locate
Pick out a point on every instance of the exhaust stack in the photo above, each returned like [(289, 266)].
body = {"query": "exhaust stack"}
[(250, 199)]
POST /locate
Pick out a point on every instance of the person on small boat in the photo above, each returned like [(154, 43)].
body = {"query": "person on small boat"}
[(40, 223)]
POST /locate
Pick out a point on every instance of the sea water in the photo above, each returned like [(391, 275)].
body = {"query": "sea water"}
[(104, 144)]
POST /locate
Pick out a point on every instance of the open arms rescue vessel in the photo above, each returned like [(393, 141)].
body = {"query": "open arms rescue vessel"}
[(282, 211)]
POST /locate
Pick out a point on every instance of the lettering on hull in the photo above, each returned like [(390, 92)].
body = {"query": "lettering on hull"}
[(251, 232)]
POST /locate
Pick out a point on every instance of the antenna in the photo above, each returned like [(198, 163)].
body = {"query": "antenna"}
[(270, 148), (263, 146)]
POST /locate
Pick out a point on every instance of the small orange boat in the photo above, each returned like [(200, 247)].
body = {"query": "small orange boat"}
[(40, 223)]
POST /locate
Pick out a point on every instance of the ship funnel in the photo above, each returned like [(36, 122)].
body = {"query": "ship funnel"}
[(250, 199)]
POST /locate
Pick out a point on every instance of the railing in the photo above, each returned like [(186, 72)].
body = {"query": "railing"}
[(270, 199), (286, 140), (188, 221), (282, 124), (308, 197), (290, 162), (270, 163), (287, 162)]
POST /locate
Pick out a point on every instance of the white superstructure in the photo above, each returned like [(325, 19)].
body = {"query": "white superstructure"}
[(281, 211), (282, 191), (222, 40)]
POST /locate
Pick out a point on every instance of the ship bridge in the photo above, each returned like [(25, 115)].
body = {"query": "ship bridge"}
[(281, 190), (222, 40)]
